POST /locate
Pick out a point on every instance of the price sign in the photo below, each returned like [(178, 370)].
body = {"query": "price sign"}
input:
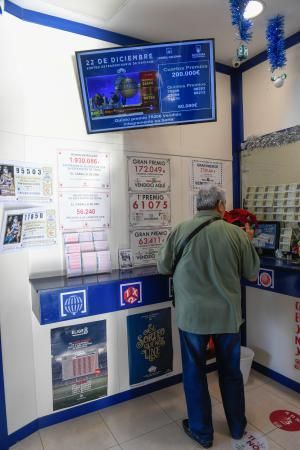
[(145, 245), (83, 169), (148, 174), (26, 182), (149, 210), (84, 210), (206, 171)]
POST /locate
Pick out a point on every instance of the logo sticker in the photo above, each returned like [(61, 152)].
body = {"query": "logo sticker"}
[(266, 278), (131, 293), (250, 441), (73, 304), (285, 420)]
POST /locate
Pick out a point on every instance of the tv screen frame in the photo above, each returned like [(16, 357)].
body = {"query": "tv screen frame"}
[(202, 85), (269, 251)]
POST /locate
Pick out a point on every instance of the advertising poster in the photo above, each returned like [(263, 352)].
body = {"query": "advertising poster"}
[(27, 228), (150, 348), (26, 182), (206, 171), (145, 244), (148, 174), (83, 169), (149, 85), (79, 363), (84, 210), (297, 335), (150, 210)]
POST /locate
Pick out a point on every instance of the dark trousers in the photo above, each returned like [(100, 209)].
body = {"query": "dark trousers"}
[(228, 348)]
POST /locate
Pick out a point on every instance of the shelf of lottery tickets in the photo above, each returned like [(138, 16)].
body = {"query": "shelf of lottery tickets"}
[(86, 253), (278, 203)]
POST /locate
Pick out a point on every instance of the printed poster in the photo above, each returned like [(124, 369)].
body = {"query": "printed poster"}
[(150, 210), (79, 363), (150, 348), (26, 182), (82, 210), (30, 227), (297, 335), (148, 174), (145, 244), (83, 169), (206, 171)]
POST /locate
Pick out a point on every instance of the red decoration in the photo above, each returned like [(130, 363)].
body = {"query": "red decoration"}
[(240, 217)]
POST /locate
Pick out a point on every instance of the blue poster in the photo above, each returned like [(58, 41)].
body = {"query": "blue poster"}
[(148, 85), (79, 363), (150, 349)]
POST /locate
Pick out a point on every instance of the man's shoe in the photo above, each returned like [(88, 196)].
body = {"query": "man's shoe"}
[(237, 437), (204, 444)]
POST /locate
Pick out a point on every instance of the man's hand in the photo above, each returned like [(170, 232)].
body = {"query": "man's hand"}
[(249, 231)]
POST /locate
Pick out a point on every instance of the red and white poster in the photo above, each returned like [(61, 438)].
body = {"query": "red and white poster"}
[(148, 174), (83, 169), (151, 209)]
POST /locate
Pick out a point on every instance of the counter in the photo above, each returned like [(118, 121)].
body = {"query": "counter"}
[(58, 298)]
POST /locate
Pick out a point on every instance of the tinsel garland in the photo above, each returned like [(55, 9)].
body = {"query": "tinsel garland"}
[(237, 8), (275, 38), (275, 139)]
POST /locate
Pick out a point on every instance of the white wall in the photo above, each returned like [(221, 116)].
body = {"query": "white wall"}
[(270, 319), (40, 113), (267, 108)]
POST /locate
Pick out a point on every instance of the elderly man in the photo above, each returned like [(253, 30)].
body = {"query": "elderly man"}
[(208, 303)]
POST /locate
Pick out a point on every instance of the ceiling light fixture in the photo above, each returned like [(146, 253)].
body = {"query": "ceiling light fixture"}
[(253, 9)]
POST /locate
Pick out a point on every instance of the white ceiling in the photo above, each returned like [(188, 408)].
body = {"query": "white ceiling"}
[(171, 20)]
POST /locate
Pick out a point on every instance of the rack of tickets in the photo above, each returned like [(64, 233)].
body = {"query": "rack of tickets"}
[(86, 253)]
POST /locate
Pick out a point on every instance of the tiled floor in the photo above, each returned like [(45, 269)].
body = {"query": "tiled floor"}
[(153, 422)]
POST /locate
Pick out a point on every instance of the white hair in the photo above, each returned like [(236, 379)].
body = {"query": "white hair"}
[(209, 195)]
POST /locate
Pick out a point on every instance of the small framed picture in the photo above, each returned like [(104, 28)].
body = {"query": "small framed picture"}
[(125, 259)]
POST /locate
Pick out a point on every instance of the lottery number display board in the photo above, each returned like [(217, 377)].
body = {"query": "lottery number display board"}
[(148, 85)]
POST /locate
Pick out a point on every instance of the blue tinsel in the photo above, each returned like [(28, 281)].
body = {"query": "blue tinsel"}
[(275, 38), (237, 8)]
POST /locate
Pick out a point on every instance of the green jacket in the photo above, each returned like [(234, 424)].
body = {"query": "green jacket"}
[(207, 278)]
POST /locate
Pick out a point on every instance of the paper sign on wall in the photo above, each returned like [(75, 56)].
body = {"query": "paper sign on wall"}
[(297, 335), (26, 182), (149, 209), (206, 171), (150, 349), (145, 244), (27, 228), (83, 169), (79, 363), (84, 210), (148, 174)]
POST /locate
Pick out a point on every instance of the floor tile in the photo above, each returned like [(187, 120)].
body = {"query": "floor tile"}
[(254, 440), (259, 405), (213, 386), (289, 440), (169, 437), (133, 418), (87, 432), (33, 442), (283, 392), (222, 438), (255, 380), (172, 401)]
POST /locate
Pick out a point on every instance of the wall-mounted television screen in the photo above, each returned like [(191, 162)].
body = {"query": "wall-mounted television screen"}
[(148, 85)]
